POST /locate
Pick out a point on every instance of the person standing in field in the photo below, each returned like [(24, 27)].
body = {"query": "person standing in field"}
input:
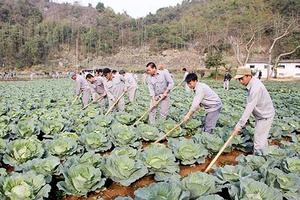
[(81, 86), (114, 86), (187, 89), (204, 97), (160, 84), (227, 79), (97, 87), (130, 83), (259, 74), (259, 103)]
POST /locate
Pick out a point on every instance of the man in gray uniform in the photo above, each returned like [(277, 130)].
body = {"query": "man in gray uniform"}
[(81, 86), (259, 103), (97, 87), (130, 83), (204, 97), (160, 84), (114, 86)]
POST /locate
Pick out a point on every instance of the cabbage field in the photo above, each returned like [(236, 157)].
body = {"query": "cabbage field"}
[(52, 150)]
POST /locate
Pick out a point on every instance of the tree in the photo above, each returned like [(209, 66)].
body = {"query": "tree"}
[(100, 7), (214, 61)]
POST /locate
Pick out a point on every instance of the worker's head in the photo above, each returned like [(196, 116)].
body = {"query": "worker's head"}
[(72, 75), (183, 69), (243, 75), (151, 68), (160, 67), (107, 73), (122, 72), (90, 78), (191, 80)]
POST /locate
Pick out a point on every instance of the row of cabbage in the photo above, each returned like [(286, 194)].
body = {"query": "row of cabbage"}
[(43, 137)]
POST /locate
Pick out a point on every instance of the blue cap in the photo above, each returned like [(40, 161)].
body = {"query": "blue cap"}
[(72, 74)]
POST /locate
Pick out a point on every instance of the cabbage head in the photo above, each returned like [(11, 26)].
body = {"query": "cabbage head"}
[(61, 147), (25, 186), (148, 132), (291, 165), (81, 179), (199, 183), (187, 151), (249, 189), (160, 161), (20, 151), (97, 142), (45, 166), (124, 135), (123, 169), (162, 190)]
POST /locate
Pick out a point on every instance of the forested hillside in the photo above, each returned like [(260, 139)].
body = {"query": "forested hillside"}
[(40, 32)]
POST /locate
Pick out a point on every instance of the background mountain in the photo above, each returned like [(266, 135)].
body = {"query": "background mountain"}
[(63, 36)]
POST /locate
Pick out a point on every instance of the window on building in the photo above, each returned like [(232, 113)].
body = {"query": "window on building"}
[(252, 66), (281, 74), (281, 67), (297, 74), (265, 66), (297, 66)]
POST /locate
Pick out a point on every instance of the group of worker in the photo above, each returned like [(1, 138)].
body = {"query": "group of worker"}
[(160, 83)]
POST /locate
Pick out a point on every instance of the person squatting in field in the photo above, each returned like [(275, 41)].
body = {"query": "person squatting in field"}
[(204, 97), (97, 87), (260, 104), (130, 83), (114, 86), (81, 86), (160, 84)]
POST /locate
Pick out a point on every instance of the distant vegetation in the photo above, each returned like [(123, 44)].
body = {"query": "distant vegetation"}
[(36, 32)]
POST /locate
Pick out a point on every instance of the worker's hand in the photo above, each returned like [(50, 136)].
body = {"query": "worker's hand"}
[(76, 97), (165, 94), (198, 108), (103, 95), (153, 102), (236, 131), (124, 91)]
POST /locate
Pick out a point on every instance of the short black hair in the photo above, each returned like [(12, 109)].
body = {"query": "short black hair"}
[(122, 71), (89, 76), (184, 69), (191, 77), (106, 71), (151, 64), (114, 71)]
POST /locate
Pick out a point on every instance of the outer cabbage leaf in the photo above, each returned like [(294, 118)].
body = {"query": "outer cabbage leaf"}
[(210, 197), (210, 141), (125, 150), (81, 179), (125, 118), (123, 169), (187, 151), (161, 190)]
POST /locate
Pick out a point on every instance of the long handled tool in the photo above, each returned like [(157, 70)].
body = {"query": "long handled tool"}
[(75, 100), (157, 102), (168, 133), (220, 152), (115, 103), (176, 86), (92, 102)]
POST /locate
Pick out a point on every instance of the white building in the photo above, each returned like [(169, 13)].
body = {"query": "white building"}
[(285, 68), (288, 68)]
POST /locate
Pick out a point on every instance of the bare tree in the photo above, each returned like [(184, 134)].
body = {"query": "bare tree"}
[(290, 28)]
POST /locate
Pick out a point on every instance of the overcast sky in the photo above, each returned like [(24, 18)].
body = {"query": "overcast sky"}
[(134, 8)]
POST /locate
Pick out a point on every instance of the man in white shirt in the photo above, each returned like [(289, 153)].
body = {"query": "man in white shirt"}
[(81, 86), (259, 103), (97, 87), (130, 83)]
